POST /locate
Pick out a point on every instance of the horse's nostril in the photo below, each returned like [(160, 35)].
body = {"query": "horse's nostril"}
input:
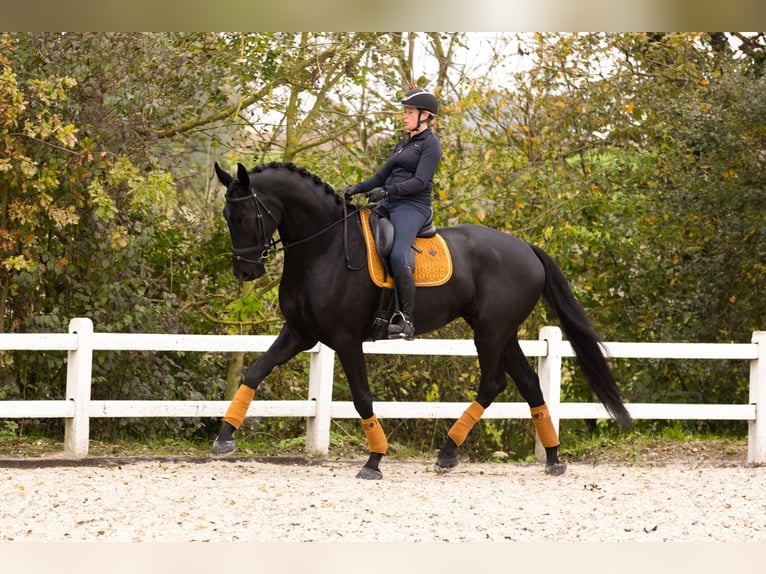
[(249, 274)]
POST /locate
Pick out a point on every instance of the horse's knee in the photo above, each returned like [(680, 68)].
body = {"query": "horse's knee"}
[(490, 389)]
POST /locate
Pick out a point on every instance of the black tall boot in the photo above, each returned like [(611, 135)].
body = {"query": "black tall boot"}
[(401, 325)]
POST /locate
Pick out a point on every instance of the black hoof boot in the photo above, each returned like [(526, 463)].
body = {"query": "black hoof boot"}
[(555, 469), (553, 466), (370, 469), (224, 443), (447, 459), (223, 447), (443, 465)]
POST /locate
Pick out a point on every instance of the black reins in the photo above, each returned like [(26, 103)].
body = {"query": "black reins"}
[(271, 245)]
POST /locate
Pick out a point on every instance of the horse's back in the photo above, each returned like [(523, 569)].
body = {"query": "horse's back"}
[(504, 276), (483, 246)]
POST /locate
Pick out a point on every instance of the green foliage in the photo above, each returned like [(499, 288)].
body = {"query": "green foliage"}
[(635, 160), (624, 156), (8, 431)]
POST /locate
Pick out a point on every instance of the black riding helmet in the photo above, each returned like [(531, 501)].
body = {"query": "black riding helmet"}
[(422, 100)]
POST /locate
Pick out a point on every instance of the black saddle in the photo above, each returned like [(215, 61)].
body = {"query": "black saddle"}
[(383, 232)]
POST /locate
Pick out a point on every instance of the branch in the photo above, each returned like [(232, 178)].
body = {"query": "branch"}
[(42, 141), (229, 322), (328, 137), (283, 78)]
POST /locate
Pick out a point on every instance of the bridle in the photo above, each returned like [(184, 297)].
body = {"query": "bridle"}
[(271, 245)]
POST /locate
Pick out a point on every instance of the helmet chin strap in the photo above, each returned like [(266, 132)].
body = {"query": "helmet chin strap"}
[(421, 122)]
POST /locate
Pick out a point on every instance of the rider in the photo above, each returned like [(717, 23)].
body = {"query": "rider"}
[(404, 185)]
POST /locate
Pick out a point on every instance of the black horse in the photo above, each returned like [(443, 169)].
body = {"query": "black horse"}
[(326, 295)]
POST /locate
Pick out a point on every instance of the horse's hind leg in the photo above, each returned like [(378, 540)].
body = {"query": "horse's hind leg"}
[(528, 383), (492, 383)]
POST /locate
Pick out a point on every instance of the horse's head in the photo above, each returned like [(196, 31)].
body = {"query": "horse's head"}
[(251, 224)]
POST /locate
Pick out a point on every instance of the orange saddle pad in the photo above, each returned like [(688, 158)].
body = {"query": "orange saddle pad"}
[(433, 262)]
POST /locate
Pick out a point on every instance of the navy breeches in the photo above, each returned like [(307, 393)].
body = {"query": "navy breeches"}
[(407, 221)]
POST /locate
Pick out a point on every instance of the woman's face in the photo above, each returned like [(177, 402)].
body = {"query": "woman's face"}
[(411, 118)]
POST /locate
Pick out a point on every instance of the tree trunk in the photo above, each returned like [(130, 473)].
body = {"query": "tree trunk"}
[(236, 361)]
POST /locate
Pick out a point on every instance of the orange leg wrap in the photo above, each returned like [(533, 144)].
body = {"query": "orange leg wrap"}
[(544, 426), (239, 405), (464, 424), (376, 438)]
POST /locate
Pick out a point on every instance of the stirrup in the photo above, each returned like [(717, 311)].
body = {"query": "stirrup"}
[(400, 327)]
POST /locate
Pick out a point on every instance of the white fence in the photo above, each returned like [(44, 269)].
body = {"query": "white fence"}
[(319, 409)]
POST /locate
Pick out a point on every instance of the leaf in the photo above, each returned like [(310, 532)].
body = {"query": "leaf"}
[(18, 263)]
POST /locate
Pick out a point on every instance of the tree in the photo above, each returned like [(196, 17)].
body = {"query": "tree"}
[(88, 225), (636, 160)]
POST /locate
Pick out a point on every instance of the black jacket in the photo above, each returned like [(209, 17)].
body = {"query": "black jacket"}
[(408, 174)]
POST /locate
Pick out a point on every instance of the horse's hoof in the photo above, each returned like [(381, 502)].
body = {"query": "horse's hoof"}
[(445, 465), (555, 469), (367, 473), (223, 447)]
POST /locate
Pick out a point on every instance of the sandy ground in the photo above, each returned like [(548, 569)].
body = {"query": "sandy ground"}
[(241, 500)]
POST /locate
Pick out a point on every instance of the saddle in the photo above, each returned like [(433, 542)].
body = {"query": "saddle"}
[(431, 262), (430, 258)]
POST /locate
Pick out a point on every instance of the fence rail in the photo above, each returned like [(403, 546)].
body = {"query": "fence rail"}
[(319, 409)]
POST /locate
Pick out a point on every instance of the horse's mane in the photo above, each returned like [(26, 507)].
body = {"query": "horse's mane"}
[(296, 169)]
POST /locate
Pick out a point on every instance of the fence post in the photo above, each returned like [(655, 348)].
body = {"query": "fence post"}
[(549, 372), (320, 390), (756, 440), (78, 379)]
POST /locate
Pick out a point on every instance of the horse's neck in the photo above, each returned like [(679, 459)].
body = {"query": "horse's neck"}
[(305, 215), (313, 244)]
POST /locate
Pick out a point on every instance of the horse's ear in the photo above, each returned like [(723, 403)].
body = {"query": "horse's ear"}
[(243, 176), (223, 177)]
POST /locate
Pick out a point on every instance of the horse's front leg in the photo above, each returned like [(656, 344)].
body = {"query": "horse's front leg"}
[(285, 347), (352, 360)]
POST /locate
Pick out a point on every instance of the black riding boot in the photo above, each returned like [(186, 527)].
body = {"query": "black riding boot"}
[(401, 325)]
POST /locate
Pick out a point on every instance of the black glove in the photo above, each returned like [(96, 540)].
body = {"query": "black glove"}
[(351, 190), (376, 194)]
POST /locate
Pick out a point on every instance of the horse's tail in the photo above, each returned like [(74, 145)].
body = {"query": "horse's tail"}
[(583, 339)]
